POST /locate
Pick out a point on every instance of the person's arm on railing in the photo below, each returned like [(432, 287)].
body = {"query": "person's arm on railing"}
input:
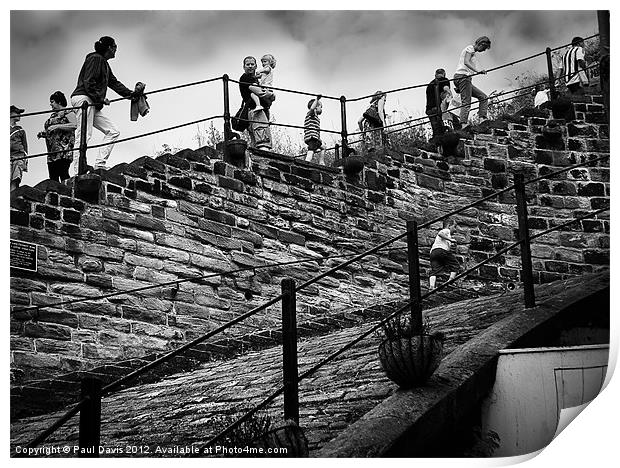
[(469, 63), (118, 87)]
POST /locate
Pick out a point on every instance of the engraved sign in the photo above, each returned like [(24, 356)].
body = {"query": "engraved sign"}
[(23, 255)]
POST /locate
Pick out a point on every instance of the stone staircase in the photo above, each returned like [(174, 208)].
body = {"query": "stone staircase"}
[(87, 229)]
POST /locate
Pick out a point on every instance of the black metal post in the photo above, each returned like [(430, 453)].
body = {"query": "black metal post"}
[(552, 91), (439, 121), (289, 350), (343, 121), (82, 164), (336, 151), (415, 293), (604, 49), (90, 418), (227, 129), (524, 236)]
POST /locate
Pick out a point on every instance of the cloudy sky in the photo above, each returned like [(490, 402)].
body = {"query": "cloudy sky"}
[(351, 53)]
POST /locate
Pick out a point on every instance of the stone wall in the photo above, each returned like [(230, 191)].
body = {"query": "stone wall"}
[(191, 214)]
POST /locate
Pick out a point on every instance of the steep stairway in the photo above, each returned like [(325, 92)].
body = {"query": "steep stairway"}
[(179, 410)]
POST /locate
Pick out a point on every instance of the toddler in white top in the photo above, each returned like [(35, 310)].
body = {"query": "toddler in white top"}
[(265, 78)]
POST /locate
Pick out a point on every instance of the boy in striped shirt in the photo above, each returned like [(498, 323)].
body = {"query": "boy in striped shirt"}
[(312, 130), (573, 66)]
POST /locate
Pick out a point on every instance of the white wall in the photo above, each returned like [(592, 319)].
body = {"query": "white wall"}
[(531, 388)]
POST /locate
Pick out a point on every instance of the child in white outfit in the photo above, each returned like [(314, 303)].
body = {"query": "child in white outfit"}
[(265, 78)]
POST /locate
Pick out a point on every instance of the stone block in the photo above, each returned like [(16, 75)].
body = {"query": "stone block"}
[(219, 216), (596, 257), (495, 165), (47, 330), (429, 182), (49, 346), (107, 353), (593, 189), (146, 262), (211, 264), (19, 218), (178, 242), (74, 289), (141, 314)]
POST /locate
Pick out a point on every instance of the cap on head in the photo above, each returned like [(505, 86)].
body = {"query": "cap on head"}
[(577, 40), (440, 71), (16, 110)]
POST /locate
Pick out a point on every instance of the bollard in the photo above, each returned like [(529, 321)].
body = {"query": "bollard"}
[(82, 164), (289, 350), (415, 293), (90, 418), (524, 236)]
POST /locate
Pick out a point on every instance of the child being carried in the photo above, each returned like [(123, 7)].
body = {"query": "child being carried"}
[(265, 78)]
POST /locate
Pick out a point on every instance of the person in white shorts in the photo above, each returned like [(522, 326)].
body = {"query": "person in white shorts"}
[(93, 82)]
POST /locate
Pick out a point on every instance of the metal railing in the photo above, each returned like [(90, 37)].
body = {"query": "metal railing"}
[(341, 148), (89, 406)]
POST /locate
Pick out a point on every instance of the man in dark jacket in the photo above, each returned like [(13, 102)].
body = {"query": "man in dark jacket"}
[(93, 82), (432, 111)]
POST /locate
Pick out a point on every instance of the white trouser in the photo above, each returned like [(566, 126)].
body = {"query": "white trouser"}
[(99, 120)]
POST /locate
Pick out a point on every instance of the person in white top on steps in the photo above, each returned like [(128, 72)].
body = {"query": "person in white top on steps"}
[(442, 258), (462, 79)]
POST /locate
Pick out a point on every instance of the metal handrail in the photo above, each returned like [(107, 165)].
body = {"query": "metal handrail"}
[(539, 54), (294, 91), (374, 328), (421, 120)]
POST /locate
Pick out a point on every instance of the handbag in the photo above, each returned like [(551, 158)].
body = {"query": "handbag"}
[(237, 123), (372, 116)]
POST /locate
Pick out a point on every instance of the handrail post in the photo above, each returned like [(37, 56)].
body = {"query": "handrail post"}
[(227, 129), (336, 152), (415, 293), (82, 164), (552, 91), (524, 237), (289, 350), (90, 418), (343, 121), (439, 121)]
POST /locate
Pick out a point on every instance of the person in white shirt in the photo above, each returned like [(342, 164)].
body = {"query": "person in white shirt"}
[(467, 67), (442, 259), (573, 67)]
